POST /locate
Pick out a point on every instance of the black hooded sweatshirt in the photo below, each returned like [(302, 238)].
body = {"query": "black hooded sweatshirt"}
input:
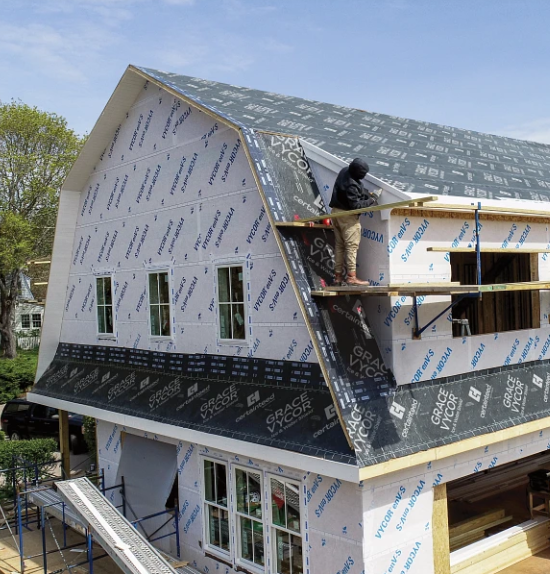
[(348, 192)]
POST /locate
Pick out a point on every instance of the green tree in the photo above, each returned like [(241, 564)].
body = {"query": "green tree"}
[(37, 150)]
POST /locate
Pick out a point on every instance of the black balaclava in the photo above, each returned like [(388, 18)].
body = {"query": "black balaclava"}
[(358, 169)]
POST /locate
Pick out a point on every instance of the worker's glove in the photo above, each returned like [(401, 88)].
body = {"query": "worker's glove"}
[(375, 194)]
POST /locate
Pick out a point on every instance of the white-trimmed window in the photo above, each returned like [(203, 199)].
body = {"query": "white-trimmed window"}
[(25, 321), (286, 526), (159, 304), (216, 506), (249, 517), (36, 320), (104, 291), (231, 303)]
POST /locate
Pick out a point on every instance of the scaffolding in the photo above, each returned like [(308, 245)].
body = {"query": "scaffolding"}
[(39, 496)]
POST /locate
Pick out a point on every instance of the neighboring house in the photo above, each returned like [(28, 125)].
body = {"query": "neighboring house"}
[(28, 316), (305, 429)]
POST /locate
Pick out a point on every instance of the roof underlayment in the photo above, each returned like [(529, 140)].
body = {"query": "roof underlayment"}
[(414, 157)]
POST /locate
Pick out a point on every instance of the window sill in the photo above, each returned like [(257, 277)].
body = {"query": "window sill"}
[(106, 337), (160, 338), (234, 342), (223, 558)]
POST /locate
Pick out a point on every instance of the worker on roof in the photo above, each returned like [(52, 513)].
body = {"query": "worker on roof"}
[(348, 194)]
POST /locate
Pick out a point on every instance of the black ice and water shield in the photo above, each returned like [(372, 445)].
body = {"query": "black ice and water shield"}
[(279, 403)]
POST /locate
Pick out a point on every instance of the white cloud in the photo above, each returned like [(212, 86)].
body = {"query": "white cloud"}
[(59, 54), (535, 130)]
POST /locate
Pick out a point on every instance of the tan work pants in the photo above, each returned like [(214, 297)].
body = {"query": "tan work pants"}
[(347, 232)]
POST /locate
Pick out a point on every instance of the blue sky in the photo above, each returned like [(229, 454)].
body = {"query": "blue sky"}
[(474, 64)]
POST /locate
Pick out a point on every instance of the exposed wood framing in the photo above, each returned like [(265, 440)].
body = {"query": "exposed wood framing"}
[(413, 289), (440, 530), (466, 213), (486, 250), (408, 202)]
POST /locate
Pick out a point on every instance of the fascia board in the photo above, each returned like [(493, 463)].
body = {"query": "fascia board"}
[(335, 164), (280, 457), (103, 131), (453, 449)]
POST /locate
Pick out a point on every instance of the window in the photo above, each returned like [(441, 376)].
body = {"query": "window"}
[(231, 302), (216, 509), (36, 320), (286, 526), (25, 321), (159, 304), (249, 519), (498, 311), (104, 288)]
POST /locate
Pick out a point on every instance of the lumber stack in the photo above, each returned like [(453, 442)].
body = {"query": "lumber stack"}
[(474, 528), (502, 550)]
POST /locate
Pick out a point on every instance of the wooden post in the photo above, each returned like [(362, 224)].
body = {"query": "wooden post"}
[(65, 444), (440, 530)]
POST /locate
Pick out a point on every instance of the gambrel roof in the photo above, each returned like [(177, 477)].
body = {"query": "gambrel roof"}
[(415, 156)]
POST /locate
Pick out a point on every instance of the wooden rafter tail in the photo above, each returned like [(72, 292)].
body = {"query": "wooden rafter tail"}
[(405, 203), (485, 250), (489, 209), (303, 224)]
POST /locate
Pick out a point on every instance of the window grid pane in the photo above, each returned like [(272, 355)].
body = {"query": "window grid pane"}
[(215, 495), (159, 304), (104, 305), (36, 321), (231, 302), (25, 321)]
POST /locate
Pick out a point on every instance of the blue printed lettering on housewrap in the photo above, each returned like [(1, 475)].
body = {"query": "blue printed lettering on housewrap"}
[(416, 238), (307, 352), (523, 237), (263, 293), (511, 233), (420, 371), (192, 519), (86, 298), (512, 352), (186, 113), (393, 562), (86, 199), (135, 134), (185, 302), (211, 229), (544, 349), (178, 175), (189, 171), (185, 459), (176, 235), (442, 362), (412, 502), (112, 244), (411, 558), (94, 197), (225, 226), (209, 134), (165, 237), (112, 195), (179, 290), (71, 295), (530, 343), (390, 512), (146, 128), (255, 225), (282, 286), (141, 240), (214, 173), (143, 184), (328, 497), (347, 566), (372, 235), (121, 192), (232, 159), (85, 250), (115, 138), (408, 320), (394, 311), (121, 297), (111, 437), (392, 244), (132, 242), (103, 247), (77, 251), (153, 182), (477, 356), (311, 491), (173, 110)]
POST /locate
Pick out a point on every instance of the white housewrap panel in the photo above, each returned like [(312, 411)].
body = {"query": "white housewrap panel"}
[(182, 200)]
